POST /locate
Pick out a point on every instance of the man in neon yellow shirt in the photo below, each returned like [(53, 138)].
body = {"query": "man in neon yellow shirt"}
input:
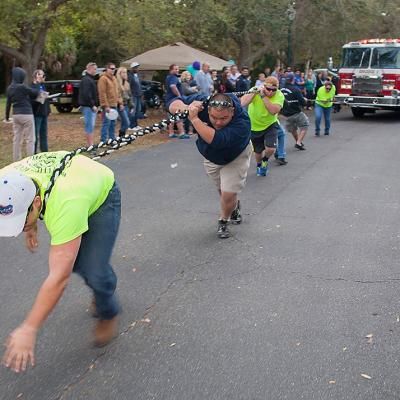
[(264, 108), (323, 106), (82, 214)]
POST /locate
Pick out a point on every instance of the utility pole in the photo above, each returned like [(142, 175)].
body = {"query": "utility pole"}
[(291, 14)]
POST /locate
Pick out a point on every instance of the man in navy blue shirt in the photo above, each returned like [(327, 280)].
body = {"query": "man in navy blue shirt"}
[(173, 88), (223, 129)]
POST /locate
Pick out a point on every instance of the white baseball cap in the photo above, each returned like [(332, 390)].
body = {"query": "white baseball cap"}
[(17, 192), (134, 64), (112, 114)]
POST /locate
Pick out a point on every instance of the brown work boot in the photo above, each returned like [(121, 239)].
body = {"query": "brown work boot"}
[(105, 330)]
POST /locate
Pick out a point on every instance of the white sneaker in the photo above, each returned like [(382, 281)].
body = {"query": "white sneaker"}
[(131, 129), (137, 128)]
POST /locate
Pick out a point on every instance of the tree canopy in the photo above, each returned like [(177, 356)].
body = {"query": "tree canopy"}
[(63, 35)]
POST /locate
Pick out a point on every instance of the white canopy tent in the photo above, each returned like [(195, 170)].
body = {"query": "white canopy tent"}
[(177, 53)]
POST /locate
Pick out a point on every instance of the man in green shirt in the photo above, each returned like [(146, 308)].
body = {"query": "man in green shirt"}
[(263, 110), (323, 106), (82, 214)]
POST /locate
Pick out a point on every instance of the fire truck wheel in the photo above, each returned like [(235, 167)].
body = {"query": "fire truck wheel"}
[(357, 112)]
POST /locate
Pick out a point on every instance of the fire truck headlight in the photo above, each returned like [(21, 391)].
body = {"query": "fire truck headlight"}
[(395, 93)]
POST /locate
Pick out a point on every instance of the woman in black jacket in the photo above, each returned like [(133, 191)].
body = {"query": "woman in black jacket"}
[(19, 96)]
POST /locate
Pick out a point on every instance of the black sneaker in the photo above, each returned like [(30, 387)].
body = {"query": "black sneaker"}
[(236, 216), (223, 231), (281, 161), (299, 146)]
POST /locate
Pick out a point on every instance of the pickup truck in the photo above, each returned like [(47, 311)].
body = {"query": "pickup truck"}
[(69, 94), (68, 91)]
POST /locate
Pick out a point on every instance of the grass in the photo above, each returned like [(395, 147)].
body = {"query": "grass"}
[(65, 132)]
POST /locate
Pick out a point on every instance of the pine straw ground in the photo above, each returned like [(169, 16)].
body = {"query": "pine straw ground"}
[(65, 132)]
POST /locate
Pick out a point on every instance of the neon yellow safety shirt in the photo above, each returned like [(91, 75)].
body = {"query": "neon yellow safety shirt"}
[(260, 117), (324, 98), (78, 192)]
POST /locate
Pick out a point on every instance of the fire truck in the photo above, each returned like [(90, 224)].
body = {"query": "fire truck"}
[(370, 76)]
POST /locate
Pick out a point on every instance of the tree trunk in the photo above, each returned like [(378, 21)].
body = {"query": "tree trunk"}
[(32, 41)]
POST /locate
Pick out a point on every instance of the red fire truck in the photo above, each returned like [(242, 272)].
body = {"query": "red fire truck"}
[(370, 76)]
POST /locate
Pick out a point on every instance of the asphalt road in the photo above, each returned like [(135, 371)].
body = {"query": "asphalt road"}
[(281, 310)]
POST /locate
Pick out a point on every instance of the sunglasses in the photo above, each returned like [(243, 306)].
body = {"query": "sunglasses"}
[(112, 69), (271, 89)]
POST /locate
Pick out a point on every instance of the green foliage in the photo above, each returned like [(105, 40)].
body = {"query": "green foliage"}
[(250, 32)]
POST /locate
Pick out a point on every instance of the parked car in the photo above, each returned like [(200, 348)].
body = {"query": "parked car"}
[(69, 93)]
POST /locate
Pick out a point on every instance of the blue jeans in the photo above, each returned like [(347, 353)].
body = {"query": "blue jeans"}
[(93, 260), (326, 112), (107, 128), (41, 133), (137, 113), (280, 149), (89, 117), (123, 116)]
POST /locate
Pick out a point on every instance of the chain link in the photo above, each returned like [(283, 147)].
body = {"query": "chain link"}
[(113, 145)]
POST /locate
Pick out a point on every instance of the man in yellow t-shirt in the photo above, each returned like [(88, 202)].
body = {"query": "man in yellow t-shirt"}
[(82, 214), (323, 106), (263, 110)]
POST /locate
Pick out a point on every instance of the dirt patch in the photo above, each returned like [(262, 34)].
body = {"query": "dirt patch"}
[(65, 132)]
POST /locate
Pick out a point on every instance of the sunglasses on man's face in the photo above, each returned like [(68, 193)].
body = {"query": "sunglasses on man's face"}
[(271, 89)]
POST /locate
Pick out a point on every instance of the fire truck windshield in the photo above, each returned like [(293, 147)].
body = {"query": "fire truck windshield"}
[(356, 57), (386, 57)]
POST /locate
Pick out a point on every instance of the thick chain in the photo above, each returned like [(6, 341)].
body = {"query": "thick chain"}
[(113, 145)]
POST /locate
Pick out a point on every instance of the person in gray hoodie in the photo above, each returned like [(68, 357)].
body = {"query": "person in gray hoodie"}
[(20, 96)]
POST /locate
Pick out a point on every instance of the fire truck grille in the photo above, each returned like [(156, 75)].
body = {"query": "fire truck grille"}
[(367, 85)]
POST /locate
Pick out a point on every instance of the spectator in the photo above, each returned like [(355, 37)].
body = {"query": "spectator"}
[(296, 121), (276, 72), (124, 92), (174, 89), (234, 74), (137, 94), (88, 100), (215, 79), (188, 89), (264, 108), (225, 85), (109, 99), (82, 216), (41, 111), (282, 78), (323, 106), (267, 71), (204, 80), (223, 140), (298, 81), (243, 83), (19, 96), (309, 87), (261, 79), (319, 81)]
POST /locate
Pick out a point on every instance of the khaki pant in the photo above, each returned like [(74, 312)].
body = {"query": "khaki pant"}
[(230, 177), (24, 130)]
